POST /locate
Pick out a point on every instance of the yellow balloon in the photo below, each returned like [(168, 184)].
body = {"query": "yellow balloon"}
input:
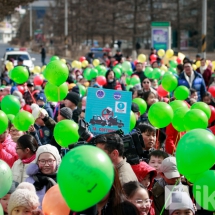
[(161, 52), (169, 53), (37, 69), (181, 56), (198, 64), (164, 68), (96, 62), (9, 65), (74, 64), (165, 61), (84, 63), (70, 86), (213, 65), (87, 84), (141, 58), (63, 60), (10, 68), (43, 67), (78, 65), (194, 66)]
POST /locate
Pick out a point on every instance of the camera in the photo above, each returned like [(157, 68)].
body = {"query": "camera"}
[(133, 142)]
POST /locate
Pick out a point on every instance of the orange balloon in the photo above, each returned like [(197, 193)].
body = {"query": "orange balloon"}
[(54, 203)]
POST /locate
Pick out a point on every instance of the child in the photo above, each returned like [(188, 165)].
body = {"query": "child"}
[(181, 204), (23, 200), (145, 174), (193, 96), (155, 159), (170, 176), (5, 199)]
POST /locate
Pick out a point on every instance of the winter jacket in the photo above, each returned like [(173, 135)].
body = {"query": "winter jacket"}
[(75, 115), (49, 110), (114, 85), (206, 75), (8, 151), (198, 83), (126, 174), (141, 75), (19, 171)]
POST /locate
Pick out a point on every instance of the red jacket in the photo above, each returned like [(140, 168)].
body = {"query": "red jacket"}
[(8, 151), (206, 75), (212, 129)]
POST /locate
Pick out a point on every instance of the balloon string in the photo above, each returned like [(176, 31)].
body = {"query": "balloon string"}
[(34, 101), (176, 141), (59, 100), (156, 145)]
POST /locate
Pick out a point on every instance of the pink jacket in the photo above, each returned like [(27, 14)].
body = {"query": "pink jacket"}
[(8, 151)]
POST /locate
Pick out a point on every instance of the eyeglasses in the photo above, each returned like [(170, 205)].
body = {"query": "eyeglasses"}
[(146, 82), (146, 202), (49, 162)]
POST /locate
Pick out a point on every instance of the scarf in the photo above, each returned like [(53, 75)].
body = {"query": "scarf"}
[(189, 79), (29, 160), (42, 180), (202, 69)]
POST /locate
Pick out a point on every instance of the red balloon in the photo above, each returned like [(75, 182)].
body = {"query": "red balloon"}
[(161, 91), (153, 57), (212, 90), (101, 80), (178, 60), (82, 58), (21, 89), (27, 108), (38, 80), (135, 62), (212, 118), (115, 62)]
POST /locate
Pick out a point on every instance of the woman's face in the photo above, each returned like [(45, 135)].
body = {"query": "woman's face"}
[(141, 200), (4, 202), (47, 163), (151, 99), (149, 138), (22, 153), (110, 76), (146, 84)]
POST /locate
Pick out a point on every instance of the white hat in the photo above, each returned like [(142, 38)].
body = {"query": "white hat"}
[(168, 168), (48, 149), (25, 196), (36, 111)]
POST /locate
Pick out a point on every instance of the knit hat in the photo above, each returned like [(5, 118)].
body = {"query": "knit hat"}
[(66, 112), (73, 97), (48, 149), (180, 200), (25, 196), (36, 111), (42, 97), (135, 108), (17, 94)]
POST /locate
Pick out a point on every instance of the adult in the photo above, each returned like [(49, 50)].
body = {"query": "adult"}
[(140, 71), (205, 72), (90, 57), (43, 172), (43, 55), (118, 56), (179, 69), (192, 79), (28, 97), (113, 145), (147, 85), (7, 148)]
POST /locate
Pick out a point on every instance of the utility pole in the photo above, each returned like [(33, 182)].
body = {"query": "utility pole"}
[(204, 27), (66, 25), (31, 34)]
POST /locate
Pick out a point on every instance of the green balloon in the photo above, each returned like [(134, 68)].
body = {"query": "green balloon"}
[(101, 70), (10, 117), (192, 178), (1, 210), (148, 72), (129, 72), (128, 87), (3, 122), (172, 70), (54, 93), (93, 73), (177, 121), (195, 119), (54, 58), (190, 146), (169, 82), (56, 72), (117, 72), (132, 120), (126, 65), (177, 104), (82, 89), (87, 74), (127, 80), (134, 80), (10, 104), (141, 104), (181, 93), (156, 74), (203, 189), (5, 178), (23, 120), (86, 172), (202, 106), (173, 63), (66, 132), (19, 74), (119, 66), (160, 114)]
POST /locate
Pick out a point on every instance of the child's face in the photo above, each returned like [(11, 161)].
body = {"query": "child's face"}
[(21, 211), (152, 99), (206, 100), (171, 181), (4, 202), (182, 212), (155, 162), (194, 95), (149, 139), (146, 181)]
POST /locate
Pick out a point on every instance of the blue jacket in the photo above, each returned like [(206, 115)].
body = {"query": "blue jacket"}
[(198, 84)]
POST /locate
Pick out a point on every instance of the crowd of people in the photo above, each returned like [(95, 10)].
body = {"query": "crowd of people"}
[(34, 156)]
